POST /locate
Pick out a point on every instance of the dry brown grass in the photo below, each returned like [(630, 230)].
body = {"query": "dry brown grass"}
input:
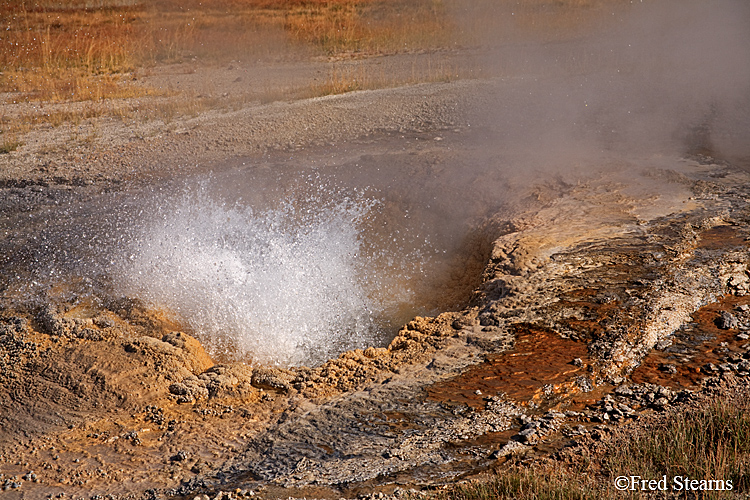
[(709, 440), (71, 51), (9, 143), (65, 54), (92, 50)]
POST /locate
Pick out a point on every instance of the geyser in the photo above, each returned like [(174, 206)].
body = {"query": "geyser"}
[(281, 259), (292, 283)]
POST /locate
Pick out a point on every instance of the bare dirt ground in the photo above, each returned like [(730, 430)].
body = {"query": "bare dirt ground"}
[(264, 98), (605, 295)]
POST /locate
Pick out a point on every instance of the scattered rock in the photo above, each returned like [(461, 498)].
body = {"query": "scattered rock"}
[(727, 321), (534, 430), (710, 368), (511, 448), (191, 389), (272, 379), (584, 383), (668, 368)]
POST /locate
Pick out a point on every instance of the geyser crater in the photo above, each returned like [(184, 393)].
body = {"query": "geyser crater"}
[(296, 282)]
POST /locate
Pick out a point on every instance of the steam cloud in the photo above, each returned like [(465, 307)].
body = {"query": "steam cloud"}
[(648, 77)]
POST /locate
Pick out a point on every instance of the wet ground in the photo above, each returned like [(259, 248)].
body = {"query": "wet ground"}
[(562, 318), (350, 210)]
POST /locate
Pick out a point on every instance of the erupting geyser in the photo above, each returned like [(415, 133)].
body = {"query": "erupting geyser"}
[(290, 284)]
